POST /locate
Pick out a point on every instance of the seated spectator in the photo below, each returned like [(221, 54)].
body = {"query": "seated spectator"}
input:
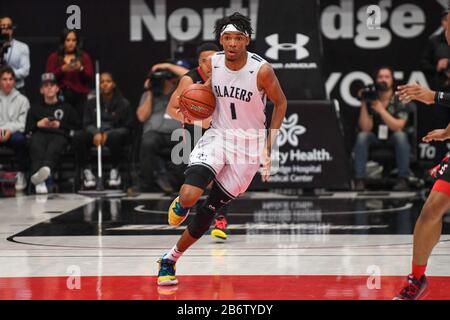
[(16, 54), (116, 125), (73, 69), (13, 112), (382, 121), (157, 127), (50, 124)]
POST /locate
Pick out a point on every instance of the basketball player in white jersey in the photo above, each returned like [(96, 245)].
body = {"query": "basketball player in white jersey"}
[(241, 82)]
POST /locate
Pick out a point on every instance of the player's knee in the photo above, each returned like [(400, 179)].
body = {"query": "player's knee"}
[(201, 222), (432, 212), (197, 178), (189, 195)]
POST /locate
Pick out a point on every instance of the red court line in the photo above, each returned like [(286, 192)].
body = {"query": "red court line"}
[(215, 287)]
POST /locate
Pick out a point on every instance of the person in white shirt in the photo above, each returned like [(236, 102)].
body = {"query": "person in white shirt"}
[(16, 53), (14, 108)]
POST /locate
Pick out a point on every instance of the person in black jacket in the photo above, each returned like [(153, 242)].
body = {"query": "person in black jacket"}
[(116, 125), (50, 124), (436, 57)]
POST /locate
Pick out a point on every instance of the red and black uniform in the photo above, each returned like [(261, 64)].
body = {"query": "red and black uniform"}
[(442, 174)]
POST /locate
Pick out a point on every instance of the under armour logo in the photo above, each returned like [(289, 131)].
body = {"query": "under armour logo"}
[(298, 46)]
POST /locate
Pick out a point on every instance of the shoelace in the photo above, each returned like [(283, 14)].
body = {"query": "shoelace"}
[(221, 223)]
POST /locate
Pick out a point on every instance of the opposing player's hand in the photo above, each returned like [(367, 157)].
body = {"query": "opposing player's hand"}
[(436, 135), (410, 92)]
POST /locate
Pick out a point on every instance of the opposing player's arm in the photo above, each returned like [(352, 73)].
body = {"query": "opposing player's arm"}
[(173, 109), (438, 135), (268, 81), (176, 69)]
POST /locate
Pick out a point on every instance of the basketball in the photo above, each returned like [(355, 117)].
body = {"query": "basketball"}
[(197, 102)]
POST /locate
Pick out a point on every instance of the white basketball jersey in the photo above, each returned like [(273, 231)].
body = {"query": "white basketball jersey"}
[(239, 103)]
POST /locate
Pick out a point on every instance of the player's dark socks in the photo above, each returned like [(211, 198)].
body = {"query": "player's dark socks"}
[(223, 211)]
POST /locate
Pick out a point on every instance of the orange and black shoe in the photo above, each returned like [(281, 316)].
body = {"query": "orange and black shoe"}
[(414, 289), (220, 228)]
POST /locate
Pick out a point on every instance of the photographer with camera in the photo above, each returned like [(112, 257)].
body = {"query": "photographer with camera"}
[(381, 121), (14, 53), (50, 124), (157, 127)]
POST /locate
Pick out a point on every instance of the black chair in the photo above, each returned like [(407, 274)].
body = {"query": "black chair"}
[(7, 158)]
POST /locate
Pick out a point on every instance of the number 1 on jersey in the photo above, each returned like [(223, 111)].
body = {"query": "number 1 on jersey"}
[(233, 111)]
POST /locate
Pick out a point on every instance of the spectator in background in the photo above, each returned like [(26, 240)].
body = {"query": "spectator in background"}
[(435, 60), (382, 121), (50, 124), (16, 54), (116, 125), (13, 112), (73, 69), (157, 126)]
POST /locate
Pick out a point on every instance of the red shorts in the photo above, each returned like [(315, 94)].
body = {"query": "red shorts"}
[(442, 174)]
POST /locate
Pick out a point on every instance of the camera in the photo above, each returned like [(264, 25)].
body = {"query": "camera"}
[(369, 93), (157, 79)]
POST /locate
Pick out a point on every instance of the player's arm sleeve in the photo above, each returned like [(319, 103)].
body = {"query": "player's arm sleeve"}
[(442, 98)]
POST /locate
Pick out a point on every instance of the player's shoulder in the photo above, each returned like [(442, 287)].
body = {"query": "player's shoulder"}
[(219, 55), (257, 57), (257, 61), (193, 74)]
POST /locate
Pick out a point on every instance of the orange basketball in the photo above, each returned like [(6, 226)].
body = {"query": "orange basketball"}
[(197, 102)]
